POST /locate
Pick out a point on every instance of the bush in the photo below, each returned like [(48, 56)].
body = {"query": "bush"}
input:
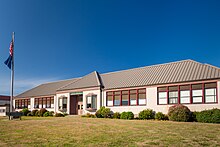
[(33, 112), (116, 115), (59, 115), (51, 113), (127, 115), (29, 114), (146, 114), (193, 115), (103, 113), (179, 113), (37, 113), (160, 116), (88, 115), (209, 116), (25, 111), (46, 114), (42, 111)]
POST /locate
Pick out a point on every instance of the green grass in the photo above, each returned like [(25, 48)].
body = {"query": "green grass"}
[(77, 131)]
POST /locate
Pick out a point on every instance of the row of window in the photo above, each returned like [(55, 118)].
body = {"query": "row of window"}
[(126, 97), (46, 102), (188, 94), (22, 103)]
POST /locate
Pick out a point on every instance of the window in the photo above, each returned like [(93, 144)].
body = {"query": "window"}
[(117, 100), (210, 93), (46, 102), (197, 93), (188, 94), (173, 94), (162, 95), (131, 97), (62, 103), (185, 94), (91, 101), (109, 99), (125, 98), (22, 103), (142, 96)]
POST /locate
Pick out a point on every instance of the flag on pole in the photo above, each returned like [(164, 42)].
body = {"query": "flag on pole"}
[(9, 61)]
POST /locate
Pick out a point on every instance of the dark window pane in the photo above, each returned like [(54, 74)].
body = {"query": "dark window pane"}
[(197, 86), (160, 89), (211, 85), (185, 87), (133, 91), (142, 91), (117, 92), (173, 88), (125, 92)]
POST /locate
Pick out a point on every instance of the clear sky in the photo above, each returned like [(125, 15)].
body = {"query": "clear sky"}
[(62, 39)]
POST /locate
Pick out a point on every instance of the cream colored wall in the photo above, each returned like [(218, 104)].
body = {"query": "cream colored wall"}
[(99, 101)]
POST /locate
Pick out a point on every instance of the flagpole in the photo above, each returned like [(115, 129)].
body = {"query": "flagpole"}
[(12, 77)]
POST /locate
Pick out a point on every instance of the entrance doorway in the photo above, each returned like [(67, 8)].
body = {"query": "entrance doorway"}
[(76, 104)]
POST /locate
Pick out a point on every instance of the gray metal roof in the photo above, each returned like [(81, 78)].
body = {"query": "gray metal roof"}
[(90, 80), (45, 89), (181, 71)]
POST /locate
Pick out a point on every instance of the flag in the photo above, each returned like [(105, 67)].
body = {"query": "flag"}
[(9, 61)]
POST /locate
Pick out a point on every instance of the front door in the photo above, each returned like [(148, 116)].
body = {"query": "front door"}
[(76, 104), (73, 105)]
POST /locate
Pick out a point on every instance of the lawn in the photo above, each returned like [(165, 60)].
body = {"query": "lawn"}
[(77, 131)]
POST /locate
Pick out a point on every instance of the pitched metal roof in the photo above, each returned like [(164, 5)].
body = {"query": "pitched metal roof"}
[(181, 71), (4, 97), (45, 89), (90, 80)]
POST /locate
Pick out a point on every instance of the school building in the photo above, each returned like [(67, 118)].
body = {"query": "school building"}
[(156, 87)]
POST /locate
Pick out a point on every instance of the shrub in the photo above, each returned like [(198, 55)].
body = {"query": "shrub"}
[(127, 115), (116, 115), (42, 111), (193, 115), (179, 113), (146, 114), (89, 115), (37, 113), (65, 114), (160, 116), (209, 116), (103, 113), (46, 114), (59, 115), (25, 111), (33, 112), (29, 114), (51, 113)]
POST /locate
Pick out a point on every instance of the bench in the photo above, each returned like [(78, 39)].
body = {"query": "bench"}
[(14, 114)]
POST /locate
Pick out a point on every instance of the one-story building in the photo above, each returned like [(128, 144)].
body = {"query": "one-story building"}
[(4, 104), (156, 87)]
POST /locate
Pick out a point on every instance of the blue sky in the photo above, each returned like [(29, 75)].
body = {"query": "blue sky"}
[(56, 39)]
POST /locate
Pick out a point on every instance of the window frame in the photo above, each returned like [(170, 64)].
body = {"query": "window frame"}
[(191, 93), (120, 93)]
